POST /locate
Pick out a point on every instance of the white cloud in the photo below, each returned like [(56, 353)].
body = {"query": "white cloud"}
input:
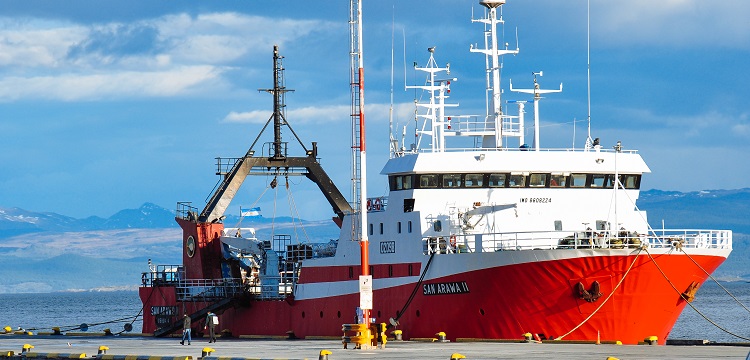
[(374, 113), (36, 43), (673, 23), (73, 87), (165, 56)]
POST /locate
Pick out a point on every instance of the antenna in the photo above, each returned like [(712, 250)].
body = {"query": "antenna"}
[(393, 142), (492, 58), (537, 92), (589, 141)]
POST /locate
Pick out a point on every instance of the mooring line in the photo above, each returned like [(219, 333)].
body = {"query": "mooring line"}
[(689, 303), (714, 279), (608, 297)]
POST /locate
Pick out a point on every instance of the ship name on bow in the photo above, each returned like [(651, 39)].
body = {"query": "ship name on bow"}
[(456, 287)]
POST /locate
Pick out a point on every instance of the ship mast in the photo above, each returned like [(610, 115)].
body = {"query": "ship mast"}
[(494, 109), (537, 96), (359, 158)]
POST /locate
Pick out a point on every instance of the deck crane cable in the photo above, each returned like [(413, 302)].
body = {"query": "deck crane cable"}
[(294, 210), (413, 292), (652, 231), (714, 279), (691, 305), (275, 199), (635, 259), (242, 217)]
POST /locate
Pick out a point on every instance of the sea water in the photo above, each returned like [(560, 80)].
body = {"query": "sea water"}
[(69, 310), (112, 310)]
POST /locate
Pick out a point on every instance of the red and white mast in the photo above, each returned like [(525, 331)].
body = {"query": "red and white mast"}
[(359, 158)]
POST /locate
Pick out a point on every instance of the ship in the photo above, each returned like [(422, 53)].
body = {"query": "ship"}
[(487, 239)]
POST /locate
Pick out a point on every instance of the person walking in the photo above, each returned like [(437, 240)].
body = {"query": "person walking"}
[(186, 324), (211, 321)]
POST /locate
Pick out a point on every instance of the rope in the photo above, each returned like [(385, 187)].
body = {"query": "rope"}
[(293, 209), (413, 292), (608, 297), (691, 305), (714, 279), (242, 217)]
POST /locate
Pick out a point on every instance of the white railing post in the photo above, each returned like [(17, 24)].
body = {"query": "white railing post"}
[(478, 243)]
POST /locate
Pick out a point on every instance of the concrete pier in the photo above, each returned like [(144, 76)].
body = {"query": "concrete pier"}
[(310, 349)]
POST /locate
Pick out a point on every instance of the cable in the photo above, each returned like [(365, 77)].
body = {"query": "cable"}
[(608, 297), (413, 292), (716, 281), (689, 303)]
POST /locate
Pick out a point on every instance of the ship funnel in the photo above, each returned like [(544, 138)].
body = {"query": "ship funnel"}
[(491, 4)]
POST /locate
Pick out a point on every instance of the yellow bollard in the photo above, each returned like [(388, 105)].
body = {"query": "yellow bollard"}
[(397, 335), (456, 356), (26, 347), (441, 337), (324, 354), (651, 340), (102, 350), (618, 342), (206, 351), (612, 358), (527, 337)]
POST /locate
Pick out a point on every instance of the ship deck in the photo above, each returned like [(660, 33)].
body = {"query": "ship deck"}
[(310, 349)]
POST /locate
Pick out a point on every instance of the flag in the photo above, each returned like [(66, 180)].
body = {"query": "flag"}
[(250, 212)]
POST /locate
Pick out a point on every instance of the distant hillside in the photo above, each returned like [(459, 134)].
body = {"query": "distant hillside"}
[(15, 221), (45, 252), (708, 209)]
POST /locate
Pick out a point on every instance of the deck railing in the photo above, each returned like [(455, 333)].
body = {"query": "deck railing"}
[(687, 238)]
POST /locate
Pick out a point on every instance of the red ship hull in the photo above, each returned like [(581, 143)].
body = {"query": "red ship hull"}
[(500, 302)]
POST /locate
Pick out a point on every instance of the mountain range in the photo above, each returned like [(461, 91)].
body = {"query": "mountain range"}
[(57, 252)]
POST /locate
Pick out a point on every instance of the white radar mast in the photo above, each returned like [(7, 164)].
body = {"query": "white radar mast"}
[(537, 92), (494, 117)]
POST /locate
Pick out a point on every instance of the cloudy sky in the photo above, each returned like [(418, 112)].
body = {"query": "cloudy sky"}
[(106, 105)]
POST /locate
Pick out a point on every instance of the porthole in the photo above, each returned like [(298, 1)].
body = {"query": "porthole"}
[(481, 311), (303, 314), (321, 314), (338, 314)]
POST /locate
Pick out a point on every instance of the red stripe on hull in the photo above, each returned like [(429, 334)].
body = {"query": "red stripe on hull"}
[(501, 303)]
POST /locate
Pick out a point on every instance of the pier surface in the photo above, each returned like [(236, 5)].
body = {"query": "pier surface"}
[(310, 349)]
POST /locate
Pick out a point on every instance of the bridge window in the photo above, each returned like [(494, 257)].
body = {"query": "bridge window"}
[(578, 180), (473, 180), (497, 180), (381, 228), (398, 227), (371, 229), (630, 181), (408, 227), (517, 180), (597, 180), (451, 180), (538, 180), (557, 181), (429, 181)]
